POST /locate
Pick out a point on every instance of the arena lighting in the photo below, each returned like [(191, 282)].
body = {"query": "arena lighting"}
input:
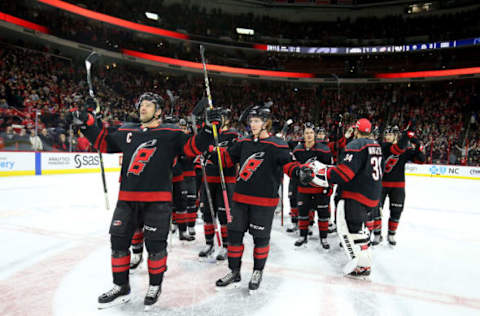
[(17, 21), (210, 67), (430, 73), (113, 20), (151, 16), (243, 31)]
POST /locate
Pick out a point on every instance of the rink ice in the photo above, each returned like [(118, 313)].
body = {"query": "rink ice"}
[(56, 259)]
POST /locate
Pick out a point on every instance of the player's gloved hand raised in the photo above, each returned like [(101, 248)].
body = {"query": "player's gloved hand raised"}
[(213, 117)]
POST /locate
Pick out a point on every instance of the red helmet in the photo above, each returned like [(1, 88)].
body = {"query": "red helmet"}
[(363, 125)]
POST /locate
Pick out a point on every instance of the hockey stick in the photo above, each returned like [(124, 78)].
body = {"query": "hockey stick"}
[(88, 65), (210, 202), (215, 136), (283, 132)]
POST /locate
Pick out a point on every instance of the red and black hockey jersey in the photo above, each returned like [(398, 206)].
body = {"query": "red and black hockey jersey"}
[(395, 160), (148, 156), (225, 139), (359, 172), (262, 164), (320, 152)]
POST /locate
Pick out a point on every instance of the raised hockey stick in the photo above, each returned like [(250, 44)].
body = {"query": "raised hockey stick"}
[(283, 132), (215, 136), (88, 65)]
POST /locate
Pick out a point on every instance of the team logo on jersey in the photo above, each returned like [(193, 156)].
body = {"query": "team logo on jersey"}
[(391, 162), (141, 157), (251, 165), (348, 157)]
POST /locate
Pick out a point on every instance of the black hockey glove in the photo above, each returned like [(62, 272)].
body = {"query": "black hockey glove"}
[(305, 175), (213, 117)]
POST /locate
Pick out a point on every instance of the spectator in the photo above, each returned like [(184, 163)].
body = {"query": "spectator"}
[(35, 141), (83, 143)]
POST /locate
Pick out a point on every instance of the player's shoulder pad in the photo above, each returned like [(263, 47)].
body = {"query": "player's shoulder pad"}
[(246, 138), (275, 141), (322, 146), (169, 127), (129, 126), (360, 144)]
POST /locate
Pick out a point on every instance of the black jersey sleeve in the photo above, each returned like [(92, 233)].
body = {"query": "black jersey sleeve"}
[(193, 145), (353, 159), (102, 138)]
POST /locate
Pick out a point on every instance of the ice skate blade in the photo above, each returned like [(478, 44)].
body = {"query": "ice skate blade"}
[(209, 259), (118, 301), (300, 248), (361, 278), (148, 308), (227, 288)]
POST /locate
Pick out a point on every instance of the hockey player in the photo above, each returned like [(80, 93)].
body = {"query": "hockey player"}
[(293, 193), (226, 138), (149, 149), (396, 155), (190, 185), (309, 197), (359, 172), (262, 158)]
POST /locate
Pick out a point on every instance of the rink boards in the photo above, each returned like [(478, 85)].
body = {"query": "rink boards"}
[(45, 163)]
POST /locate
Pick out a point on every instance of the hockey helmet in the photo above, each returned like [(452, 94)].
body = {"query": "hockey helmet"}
[(152, 97), (309, 125), (260, 111), (363, 125)]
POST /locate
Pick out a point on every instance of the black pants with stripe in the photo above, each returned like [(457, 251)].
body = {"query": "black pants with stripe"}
[(126, 219), (258, 221), (397, 202)]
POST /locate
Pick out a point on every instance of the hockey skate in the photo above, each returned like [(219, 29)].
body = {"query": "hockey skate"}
[(191, 231), (391, 240), (292, 227), (119, 294), (207, 253), (230, 280), (135, 261), (360, 273), (324, 243), (185, 236), (377, 239), (255, 281), (222, 254), (301, 242), (152, 296)]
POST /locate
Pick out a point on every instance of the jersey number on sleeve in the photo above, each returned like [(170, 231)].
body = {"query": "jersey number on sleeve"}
[(377, 167)]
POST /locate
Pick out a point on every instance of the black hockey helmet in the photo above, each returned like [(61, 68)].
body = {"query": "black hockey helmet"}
[(182, 122), (260, 111), (321, 130), (309, 125), (387, 130), (152, 97)]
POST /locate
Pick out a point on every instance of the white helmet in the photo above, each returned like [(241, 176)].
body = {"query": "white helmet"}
[(319, 174)]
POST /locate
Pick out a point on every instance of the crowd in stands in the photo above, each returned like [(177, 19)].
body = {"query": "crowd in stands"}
[(445, 113), (73, 27)]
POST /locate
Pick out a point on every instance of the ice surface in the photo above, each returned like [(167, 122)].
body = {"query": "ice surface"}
[(56, 259)]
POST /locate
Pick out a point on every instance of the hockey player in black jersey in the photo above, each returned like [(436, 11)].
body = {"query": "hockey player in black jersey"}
[(396, 155), (226, 138), (310, 197), (189, 181), (359, 172), (149, 149), (263, 159)]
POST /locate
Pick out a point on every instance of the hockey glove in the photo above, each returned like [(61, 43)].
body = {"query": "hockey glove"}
[(214, 117), (305, 174)]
